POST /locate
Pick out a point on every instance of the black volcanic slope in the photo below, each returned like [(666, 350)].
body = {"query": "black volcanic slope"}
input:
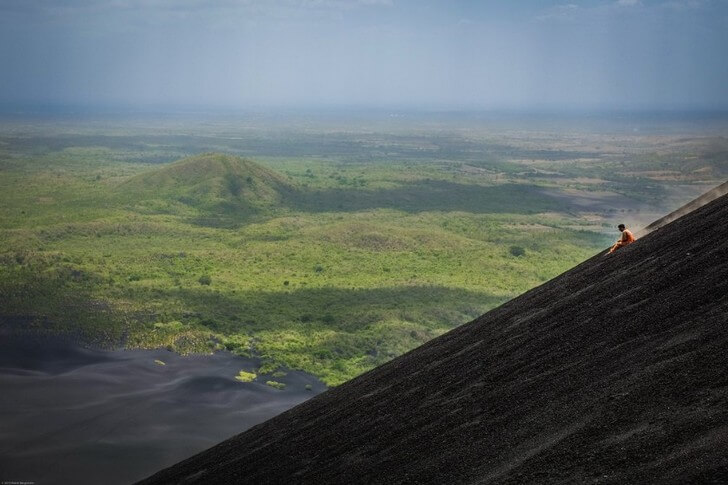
[(616, 371)]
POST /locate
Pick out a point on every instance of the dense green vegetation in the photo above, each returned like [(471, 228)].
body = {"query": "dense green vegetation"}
[(331, 262)]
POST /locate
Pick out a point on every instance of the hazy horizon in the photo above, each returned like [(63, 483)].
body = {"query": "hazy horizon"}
[(247, 54)]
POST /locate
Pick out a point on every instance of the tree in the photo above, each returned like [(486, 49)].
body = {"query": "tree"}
[(517, 251)]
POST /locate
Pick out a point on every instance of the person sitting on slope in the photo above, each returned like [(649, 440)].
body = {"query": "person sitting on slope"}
[(626, 238)]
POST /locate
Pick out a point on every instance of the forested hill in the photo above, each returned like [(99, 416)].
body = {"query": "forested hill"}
[(612, 372)]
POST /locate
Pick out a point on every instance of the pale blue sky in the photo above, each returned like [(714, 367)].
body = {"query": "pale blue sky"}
[(621, 54)]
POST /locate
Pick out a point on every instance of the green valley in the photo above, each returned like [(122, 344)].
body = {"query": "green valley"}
[(322, 249)]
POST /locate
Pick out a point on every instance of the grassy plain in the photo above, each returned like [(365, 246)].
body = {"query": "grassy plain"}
[(334, 244)]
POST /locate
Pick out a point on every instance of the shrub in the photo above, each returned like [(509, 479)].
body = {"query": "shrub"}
[(277, 385), (211, 324), (517, 251), (267, 368), (205, 280), (237, 342), (234, 185), (246, 376)]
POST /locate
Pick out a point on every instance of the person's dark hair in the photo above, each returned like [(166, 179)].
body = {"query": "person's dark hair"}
[(621, 226)]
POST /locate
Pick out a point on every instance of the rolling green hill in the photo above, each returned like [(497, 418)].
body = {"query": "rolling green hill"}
[(218, 189)]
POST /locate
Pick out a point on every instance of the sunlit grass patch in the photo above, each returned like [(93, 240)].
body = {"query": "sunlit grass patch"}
[(244, 376), (174, 336), (276, 385)]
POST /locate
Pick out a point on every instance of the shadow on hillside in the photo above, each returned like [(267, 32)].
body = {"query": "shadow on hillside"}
[(421, 196), (429, 195), (228, 215), (336, 308)]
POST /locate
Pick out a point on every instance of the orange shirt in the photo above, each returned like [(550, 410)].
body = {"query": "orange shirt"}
[(626, 238)]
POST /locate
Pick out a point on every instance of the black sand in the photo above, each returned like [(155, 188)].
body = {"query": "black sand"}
[(614, 372), (73, 415)]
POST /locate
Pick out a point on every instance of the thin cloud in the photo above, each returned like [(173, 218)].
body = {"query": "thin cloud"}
[(685, 4), (151, 6), (559, 12), (365, 52)]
